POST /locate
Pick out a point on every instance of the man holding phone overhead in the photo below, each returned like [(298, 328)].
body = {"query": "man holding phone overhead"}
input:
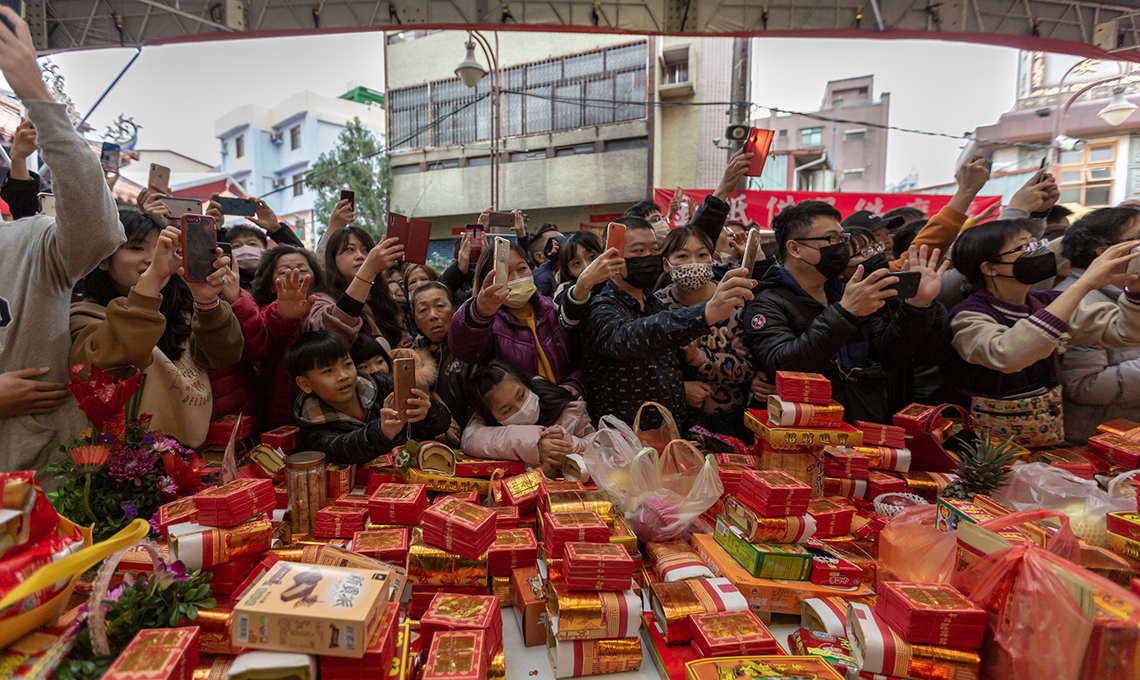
[(41, 259), (803, 318)]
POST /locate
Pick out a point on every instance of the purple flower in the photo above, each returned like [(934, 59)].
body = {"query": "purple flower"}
[(148, 440), (167, 485), (130, 465), (168, 575), (107, 439), (165, 444), (153, 521), (129, 509)]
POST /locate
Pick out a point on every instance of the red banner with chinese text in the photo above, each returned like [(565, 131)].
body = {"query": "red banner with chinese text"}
[(746, 206)]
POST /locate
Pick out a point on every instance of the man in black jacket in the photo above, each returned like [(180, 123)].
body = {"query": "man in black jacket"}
[(804, 319)]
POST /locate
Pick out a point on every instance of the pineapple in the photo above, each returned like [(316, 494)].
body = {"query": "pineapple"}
[(981, 466)]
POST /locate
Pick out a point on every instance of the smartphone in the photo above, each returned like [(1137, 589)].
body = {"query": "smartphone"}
[(403, 380), (47, 204), (244, 207), (109, 157), (502, 257), (476, 250), (500, 219), (16, 6), (350, 196), (159, 176), (181, 206), (751, 251), (907, 285), (1044, 166), (199, 246), (759, 144), (398, 229), (615, 237), (227, 249), (1133, 266)]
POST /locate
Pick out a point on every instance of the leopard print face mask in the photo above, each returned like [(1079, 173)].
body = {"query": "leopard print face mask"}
[(690, 277)]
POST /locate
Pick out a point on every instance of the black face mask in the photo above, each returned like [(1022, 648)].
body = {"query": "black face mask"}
[(875, 263), (1031, 268), (642, 272), (833, 260)]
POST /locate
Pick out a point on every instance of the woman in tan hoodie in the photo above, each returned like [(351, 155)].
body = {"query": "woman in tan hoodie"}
[(135, 309)]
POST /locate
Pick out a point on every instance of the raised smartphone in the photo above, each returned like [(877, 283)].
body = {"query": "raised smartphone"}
[(615, 237), (907, 285), (181, 206), (47, 204), (199, 246), (751, 251), (502, 257), (159, 176), (500, 219), (109, 157), (245, 207), (759, 144), (403, 380), (350, 196)]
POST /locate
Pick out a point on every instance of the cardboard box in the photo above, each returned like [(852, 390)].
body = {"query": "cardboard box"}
[(792, 437), (786, 561), (766, 595), (528, 591), (311, 609), (397, 575)]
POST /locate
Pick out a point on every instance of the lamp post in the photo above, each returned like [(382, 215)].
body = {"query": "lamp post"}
[(1117, 111), (470, 72)]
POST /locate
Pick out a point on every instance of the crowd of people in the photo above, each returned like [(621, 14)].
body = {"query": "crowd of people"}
[(1013, 306)]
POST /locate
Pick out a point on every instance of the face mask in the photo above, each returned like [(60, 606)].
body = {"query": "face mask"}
[(247, 257), (642, 272), (874, 263), (690, 277), (521, 291), (1032, 268), (527, 413), (833, 260)]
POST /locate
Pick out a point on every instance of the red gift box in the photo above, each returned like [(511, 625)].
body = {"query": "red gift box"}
[(597, 566), (931, 614), (879, 483), (467, 466), (353, 500), (828, 569), (831, 518), (513, 548), (522, 491), (774, 493), (918, 418), (549, 486), (458, 527), (284, 438), (158, 654), (398, 504), (176, 512), (842, 462), (337, 521), (339, 480), (457, 655), (229, 576), (508, 517), (233, 503), (740, 460), (377, 657), (582, 526), (281, 501), (876, 434), (844, 488), (731, 634), (222, 429), (463, 612), (264, 563), (1120, 450), (389, 545), (811, 388)]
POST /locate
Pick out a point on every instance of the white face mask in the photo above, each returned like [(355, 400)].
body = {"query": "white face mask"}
[(527, 413)]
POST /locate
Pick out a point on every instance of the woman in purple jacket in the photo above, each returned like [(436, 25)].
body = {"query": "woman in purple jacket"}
[(514, 323)]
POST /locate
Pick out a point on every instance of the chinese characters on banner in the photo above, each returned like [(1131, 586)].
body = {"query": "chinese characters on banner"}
[(761, 206)]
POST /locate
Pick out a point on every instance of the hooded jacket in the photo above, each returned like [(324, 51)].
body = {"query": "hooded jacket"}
[(520, 442), (344, 439)]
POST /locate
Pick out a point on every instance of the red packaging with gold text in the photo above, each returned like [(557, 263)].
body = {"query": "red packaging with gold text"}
[(522, 491), (398, 504), (513, 548), (389, 545), (284, 438), (731, 633), (464, 612), (157, 654), (176, 512), (457, 655)]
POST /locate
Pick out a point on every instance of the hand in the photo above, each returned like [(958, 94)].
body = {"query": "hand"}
[(675, 204), (383, 255), (342, 215), (463, 261), (491, 296), (149, 203), (390, 423), (737, 166), (21, 394), (18, 59), (293, 299), (231, 283), (1108, 268), (418, 406), (214, 209), (602, 269), (553, 432), (731, 293), (1052, 193), (24, 141), (696, 392), (205, 292), (736, 244), (931, 284), (264, 217), (553, 450), (972, 176), (761, 387), (520, 226), (863, 297), (1033, 193), (166, 263), (484, 219), (989, 212)]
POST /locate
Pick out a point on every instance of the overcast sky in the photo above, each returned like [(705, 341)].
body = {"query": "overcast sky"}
[(176, 92)]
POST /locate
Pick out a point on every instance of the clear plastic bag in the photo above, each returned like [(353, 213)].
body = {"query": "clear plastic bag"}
[(667, 491), (913, 549), (608, 455), (658, 437), (1040, 486)]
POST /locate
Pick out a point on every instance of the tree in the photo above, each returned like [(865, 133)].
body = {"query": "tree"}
[(357, 162)]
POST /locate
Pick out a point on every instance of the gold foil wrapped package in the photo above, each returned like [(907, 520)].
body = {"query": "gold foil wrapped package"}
[(571, 501), (879, 649), (432, 566), (501, 588), (305, 554), (592, 615), (199, 547), (578, 658)]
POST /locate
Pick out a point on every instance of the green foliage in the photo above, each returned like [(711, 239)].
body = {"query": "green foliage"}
[(106, 497), (150, 602), (370, 178)]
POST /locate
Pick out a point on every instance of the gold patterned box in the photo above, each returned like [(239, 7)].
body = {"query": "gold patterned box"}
[(578, 658), (791, 438), (522, 491), (513, 548), (449, 612), (560, 528), (389, 545), (760, 667), (578, 501), (731, 633), (674, 603), (591, 615), (456, 655), (432, 566), (459, 527), (398, 504)]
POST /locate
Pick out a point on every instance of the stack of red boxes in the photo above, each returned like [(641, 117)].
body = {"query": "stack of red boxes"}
[(337, 521), (917, 418), (1117, 449), (831, 518), (284, 438), (461, 528), (222, 428), (398, 504), (449, 611), (844, 463), (522, 491), (388, 545), (732, 634), (176, 512), (233, 503), (549, 486), (808, 388), (508, 517), (931, 614), (774, 493), (875, 434), (456, 655), (597, 566), (168, 653), (879, 483), (513, 548), (560, 528)]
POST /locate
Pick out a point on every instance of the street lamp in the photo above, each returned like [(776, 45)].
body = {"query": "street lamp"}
[(470, 72), (1118, 110), (1114, 114)]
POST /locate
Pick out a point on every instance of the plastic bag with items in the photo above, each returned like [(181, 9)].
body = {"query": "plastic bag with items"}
[(668, 491), (1038, 485), (608, 455)]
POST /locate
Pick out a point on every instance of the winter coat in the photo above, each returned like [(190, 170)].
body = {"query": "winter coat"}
[(277, 389), (520, 442), (348, 318)]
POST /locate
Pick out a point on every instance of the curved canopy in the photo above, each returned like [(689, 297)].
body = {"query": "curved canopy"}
[(1091, 29)]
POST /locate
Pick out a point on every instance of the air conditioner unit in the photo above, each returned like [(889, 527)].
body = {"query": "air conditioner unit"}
[(278, 183), (277, 137)]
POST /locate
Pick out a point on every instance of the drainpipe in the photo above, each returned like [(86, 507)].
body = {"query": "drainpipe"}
[(796, 173)]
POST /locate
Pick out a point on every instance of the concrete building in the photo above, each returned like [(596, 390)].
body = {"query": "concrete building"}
[(580, 143), (272, 148), (820, 155), (1107, 170)]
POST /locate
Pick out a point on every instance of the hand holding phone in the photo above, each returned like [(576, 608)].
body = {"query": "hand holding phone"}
[(502, 257), (109, 158), (751, 251), (403, 381), (350, 196), (159, 178), (759, 144), (615, 237), (199, 247), (244, 207), (907, 286), (500, 219)]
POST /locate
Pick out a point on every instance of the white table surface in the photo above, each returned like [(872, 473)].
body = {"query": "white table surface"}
[(523, 661)]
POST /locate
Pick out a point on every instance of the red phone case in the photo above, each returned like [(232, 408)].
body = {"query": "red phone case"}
[(398, 228), (419, 234), (759, 144)]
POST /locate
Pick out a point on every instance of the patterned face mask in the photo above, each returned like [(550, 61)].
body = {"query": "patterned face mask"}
[(690, 277)]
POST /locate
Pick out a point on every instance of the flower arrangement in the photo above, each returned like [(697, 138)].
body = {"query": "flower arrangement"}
[(119, 469)]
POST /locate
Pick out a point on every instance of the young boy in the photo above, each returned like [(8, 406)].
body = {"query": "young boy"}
[(350, 416)]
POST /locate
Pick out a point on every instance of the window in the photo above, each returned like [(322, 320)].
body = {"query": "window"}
[(595, 88), (857, 173), (576, 150), (810, 137), (295, 137), (298, 184), (854, 135), (239, 146), (1086, 175), (783, 133), (448, 164), (626, 144), (677, 72)]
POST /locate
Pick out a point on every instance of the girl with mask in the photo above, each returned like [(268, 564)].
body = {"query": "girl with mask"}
[(583, 269), (865, 250), (718, 367), (513, 322), (521, 418), (1007, 337)]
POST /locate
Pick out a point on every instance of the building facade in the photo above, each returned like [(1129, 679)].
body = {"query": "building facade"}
[(810, 154), (270, 149)]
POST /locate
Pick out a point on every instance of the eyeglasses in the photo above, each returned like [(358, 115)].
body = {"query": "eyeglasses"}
[(1030, 247), (872, 250), (832, 240), (658, 218)]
